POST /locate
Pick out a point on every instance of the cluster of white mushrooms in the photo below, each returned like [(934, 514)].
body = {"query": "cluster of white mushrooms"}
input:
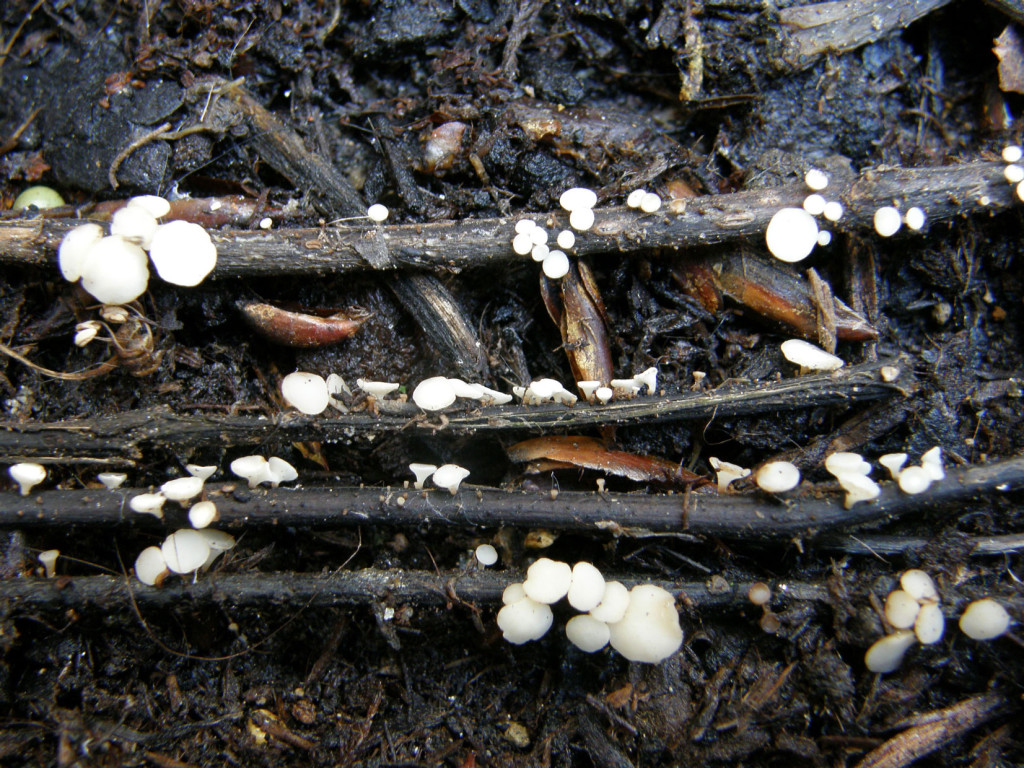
[(915, 614), (642, 624), (447, 476), (1014, 171), (114, 268)]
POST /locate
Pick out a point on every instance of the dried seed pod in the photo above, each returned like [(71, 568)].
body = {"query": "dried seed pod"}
[(297, 329), (576, 306)]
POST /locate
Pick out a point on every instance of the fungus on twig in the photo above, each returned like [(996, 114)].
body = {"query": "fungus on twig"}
[(27, 475)]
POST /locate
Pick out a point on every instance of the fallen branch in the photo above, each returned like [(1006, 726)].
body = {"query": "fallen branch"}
[(944, 193), (125, 436), (752, 516)]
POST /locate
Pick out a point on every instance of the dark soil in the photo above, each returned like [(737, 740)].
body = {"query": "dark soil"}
[(684, 99)]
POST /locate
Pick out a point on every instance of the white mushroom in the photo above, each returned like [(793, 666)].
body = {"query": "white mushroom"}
[(48, 559), (524, 620), (27, 475), (588, 388), (449, 477), (586, 590), (930, 624), (513, 593), (894, 463), (200, 471), (614, 603), (578, 198), (901, 609), (434, 394), (182, 488), (816, 179), (931, 460), (74, 247), (185, 550), (581, 219), (649, 379), (486, 555), (858, 488), (280, 471), (809, 357), (182, 253), (135, 224), (254, 469), (422, 472), (919, 585), (377, 388), (649, 631), (727, 473), (587, 633), (792, 234), (548, 581), (306, 392), (887, 653), (650, 202), (151, 567), (846, 463), (115, 271), (155, 206), (148, 504), (887, 221), (777, 477), (984, 619), (377, 212), (112, 480), (202, 514), (914, 480), (556, 265)]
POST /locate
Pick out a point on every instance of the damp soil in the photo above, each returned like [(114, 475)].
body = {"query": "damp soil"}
[(473, 110)]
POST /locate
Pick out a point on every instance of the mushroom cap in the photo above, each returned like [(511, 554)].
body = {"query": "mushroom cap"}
[(115, 271), (919, 585), (555, 265), (586, 589), (112, 480), (449, 477), (422, 472), (901, 609), (182, 253), (377, 212), (156, 206), (150, 566), (894, 463), (377, 388), (759, 593), (930, 624), (200, 471), (845, 463), (185, 550), (809, 357), (649, 631), (887, 221), (74, 247), (984, 619), (202, 514), (581, 219), (513, 593), (791, 235), (148, 504), (486, 554), (434, 394), (182, 488), (858, 488), (280, 471), (547, 580), (816, 179), (27, 475), (650, 202), (587, 633), (524, 620), (777, 477), (306, 392), (914, 480), (135, 224), (578, 198), (614, 603), (886, 654), (255, 469)]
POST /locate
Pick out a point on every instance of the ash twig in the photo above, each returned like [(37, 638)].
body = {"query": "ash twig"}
[(126, 435)]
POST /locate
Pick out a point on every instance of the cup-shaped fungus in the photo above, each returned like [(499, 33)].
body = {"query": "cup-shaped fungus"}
[(75, 247), (377, 388), (886, 654), (914, 480), (200, 471), (305, 391), (777, 477), (486, 555), (845, 463), (182, 488), (218, 541), (182, 253), (202, 514), (185, 550), (791, 235), (614, 603), (524, 620), (649, 631), (135, 224), (809, 357), (759, 593), (449, 477), (919, 585), (858, 488), (150, 566), (27, 475), (280, 471), (894, 463), (547, 581), (423, 472), (587, 633), (112, 480), (148, 504), (931, 460), (901, 609), (115, 271), (254, 469), (586, 590), (984, 619), (434, 394), (930, 624), (513, 593), (156, 206), (727, 473), (48, 559)]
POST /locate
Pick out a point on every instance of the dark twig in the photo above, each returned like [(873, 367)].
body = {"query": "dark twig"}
[(752, 516), (945, 193), (126, 435)]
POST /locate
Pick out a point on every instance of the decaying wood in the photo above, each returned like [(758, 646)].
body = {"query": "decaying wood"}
[(944, 193), (749, 516), (125, 436)]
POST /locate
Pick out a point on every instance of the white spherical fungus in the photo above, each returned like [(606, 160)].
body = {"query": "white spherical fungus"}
[(635, 198), (422, 472), (524, 620), (182, 253), (115, 271), (816, 179), (525, 225), (833, 211), (39, 196), (930, 624), (27, 475), (74, 247), (614, 603), (522, 244), (1012, 153), (556, 265), (182, 488), (587, 633), (578, 198), (566, 239), (914, 480), (887, 653), (151, 567), (539, 253), (919, 585), (434, 394), (548, 581), (777, 477), (650, 202), (1014, 173), (586, 590), (112, 480), (814, 204), (135, 224), (377, 213), (901, 609), (202, 514), (306, 392), (155, 206), (539, 236), (649, 631), (581, 219), (914, 218), (887, 221), (809, 357), (449, 477), (486, 555), (824, 238), (200, 471), (185, 550), (984, 619), (254, 469), (791, 235), (148, 504)]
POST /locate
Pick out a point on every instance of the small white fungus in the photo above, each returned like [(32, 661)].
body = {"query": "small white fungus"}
[(578, 198), (727, 473), (539, 236), (155, 206), (556, 265), (148, 504), (486, 554), (27, 475), (218, 541), (266, 223), (649, 379), (887, 653), (809, 357), (931, 460), (115, 271), (833, 211), (649, 631), (112, 480), (466, 390), (919, 585), (650, 202), (280, 471), (814, 204), (586, 590), (566, 239), (86, 332), (522, 244), (422, 473), (777, 477), (48, 559), (858, 488), (377, 212), (816, 179), (74, 247), (887, 221), (254, 469), (135, 224), (901, 609), (914, 218), (182, 488), (525, 225), (150, 566), (614, 603), (930, 624), (894, 463), (984, 619), (524, 620), (434, 394), (548, 581), (185, 550), (791, 235), (604, 394), (377, 388), (587, 633), (1014, 173), (490, 396), (1012, 153), (581, 219), (201, 471), (539, 253), (202, 514), (914, 480), (449, 477), (845, 462), (824, 238), (759, 593), (587, 388), (306, 392), (183, 253), (513, 593), (635, 198)]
